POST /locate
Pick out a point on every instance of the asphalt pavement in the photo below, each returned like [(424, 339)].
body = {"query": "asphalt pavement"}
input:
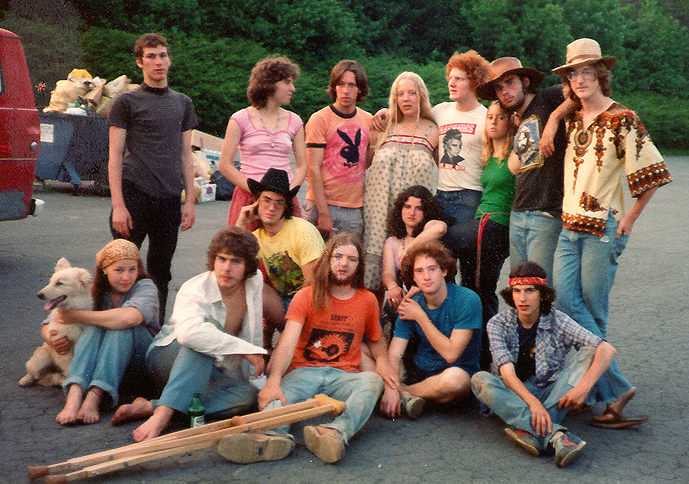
[(647, 325)]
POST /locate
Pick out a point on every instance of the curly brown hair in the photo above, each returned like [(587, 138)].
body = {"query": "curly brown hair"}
[(474, 65), (432, 210), (238, 242), (435, 250), (101, 285), (359, 76), (151, 41), (531, 269), (602, 73), (321, 273), (265, 74)]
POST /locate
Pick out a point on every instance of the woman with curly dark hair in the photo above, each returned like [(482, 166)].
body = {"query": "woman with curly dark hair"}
[(265, 133), (415, 217)]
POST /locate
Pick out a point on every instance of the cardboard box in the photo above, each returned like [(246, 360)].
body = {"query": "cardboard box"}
[(207, 193), (204, 141)]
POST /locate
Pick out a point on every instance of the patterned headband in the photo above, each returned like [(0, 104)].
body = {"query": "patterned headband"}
[(527, 281), (117, 250)]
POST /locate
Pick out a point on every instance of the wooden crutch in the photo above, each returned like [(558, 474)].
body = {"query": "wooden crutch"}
[(184, 441)]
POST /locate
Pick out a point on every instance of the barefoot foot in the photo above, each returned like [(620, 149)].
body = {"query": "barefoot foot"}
[(139, 409), (155, 425), (88, 413), (68, 415)]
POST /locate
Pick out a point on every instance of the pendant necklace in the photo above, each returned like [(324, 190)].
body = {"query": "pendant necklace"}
[(277, 124)]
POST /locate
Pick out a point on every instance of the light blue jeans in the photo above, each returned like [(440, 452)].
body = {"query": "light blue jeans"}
[(533, 237), (360, 391), (345, 219), (585, 268), (188, 372), (102, 355), (507, 405), (459, 205)]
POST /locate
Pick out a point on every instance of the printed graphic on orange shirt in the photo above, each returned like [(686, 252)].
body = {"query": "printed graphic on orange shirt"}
[(327, 346), (345, 154)]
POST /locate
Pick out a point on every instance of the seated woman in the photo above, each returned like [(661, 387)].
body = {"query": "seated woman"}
[(117, 334), (482, 244)]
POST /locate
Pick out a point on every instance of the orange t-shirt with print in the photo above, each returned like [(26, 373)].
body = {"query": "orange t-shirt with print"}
[(332, 336)]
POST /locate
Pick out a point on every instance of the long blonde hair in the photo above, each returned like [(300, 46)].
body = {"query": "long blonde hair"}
[(488, 146), (424, 111)]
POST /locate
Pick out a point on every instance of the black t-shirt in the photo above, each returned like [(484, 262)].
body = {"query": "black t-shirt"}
[(526, 361), (155, 119), (539, 184)]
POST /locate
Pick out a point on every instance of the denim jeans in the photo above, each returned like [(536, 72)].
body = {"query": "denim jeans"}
[(533, 237), (585, 268), (492, 391), (345, 219), (102, 355), (188, 372), (360, 391), (459, 205)]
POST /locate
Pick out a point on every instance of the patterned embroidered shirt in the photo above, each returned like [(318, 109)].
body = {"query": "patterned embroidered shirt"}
[(557, 333), (594, 162)]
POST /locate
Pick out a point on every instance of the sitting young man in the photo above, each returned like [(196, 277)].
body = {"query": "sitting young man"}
[(447, 319), (320, 352), (535, 389), (289, 246), (204, 348)]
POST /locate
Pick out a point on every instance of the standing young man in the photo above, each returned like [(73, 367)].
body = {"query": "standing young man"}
[(535, 219), (150, 162), (320, 352), (606, 141), (289, 246), (532, 389), (337, 144), (206, 348), (447, 319)]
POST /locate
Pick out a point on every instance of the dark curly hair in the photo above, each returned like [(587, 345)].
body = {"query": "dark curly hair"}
[(265, 74), (150, 41), (430, 206), (531, 269), (238, 242), (602, 73), (435, 250), (359, 76), (476, 67)]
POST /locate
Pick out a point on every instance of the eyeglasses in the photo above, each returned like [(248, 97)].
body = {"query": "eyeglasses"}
[(270, 201), (586, 75)]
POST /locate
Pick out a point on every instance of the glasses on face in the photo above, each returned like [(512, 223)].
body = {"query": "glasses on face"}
[(586, 75), (271, 201)]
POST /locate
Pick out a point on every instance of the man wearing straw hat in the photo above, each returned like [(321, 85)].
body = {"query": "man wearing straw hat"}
[(537, 159), (606, 141)]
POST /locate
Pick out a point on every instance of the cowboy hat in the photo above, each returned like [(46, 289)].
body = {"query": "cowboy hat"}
[(583, 51), (273, 181), (503, 66)]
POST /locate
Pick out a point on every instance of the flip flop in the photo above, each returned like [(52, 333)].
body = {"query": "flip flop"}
[(618, 421)]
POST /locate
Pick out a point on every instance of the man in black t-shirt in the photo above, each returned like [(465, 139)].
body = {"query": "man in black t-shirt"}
[(150, 162), (537, 159)]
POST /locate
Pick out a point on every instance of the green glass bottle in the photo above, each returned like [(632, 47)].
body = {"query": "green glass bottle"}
[(196, 412)]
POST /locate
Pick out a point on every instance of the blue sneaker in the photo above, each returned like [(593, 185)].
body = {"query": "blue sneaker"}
[(567, 446)]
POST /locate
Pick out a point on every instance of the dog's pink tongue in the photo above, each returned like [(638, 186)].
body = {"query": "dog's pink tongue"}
[(48, 306)]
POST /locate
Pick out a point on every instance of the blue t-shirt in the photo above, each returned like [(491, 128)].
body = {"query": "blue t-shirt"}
[(461, 309)]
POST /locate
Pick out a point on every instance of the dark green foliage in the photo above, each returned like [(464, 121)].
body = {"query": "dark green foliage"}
[(664, 117)]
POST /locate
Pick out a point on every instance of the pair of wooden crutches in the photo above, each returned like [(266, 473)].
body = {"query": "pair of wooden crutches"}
[(183, 441)]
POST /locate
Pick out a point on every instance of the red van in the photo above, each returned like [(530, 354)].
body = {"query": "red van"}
[(20, 132)]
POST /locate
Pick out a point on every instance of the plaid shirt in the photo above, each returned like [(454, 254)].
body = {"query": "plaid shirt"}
[(557, 333)]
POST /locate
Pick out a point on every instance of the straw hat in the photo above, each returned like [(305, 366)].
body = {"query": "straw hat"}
[(583, 51), (503, 66)]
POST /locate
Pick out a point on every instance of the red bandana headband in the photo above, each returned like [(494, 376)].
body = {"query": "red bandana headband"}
[(527, 281)]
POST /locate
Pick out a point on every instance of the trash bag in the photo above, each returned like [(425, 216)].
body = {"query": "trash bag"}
[(224, 189)]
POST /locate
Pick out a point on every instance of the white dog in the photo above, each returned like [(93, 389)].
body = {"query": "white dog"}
[(69, 288)]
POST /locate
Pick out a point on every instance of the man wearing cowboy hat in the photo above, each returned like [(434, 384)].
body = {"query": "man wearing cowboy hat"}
[(606, 141), (535, 218), (532, 387), (289, 246)]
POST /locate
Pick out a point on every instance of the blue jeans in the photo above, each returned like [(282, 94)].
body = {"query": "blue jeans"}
[(360, 391), (459, 205), (585, 268), (533, 237), (102, 355), (492, 391), (188, 372), (345, 219)]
